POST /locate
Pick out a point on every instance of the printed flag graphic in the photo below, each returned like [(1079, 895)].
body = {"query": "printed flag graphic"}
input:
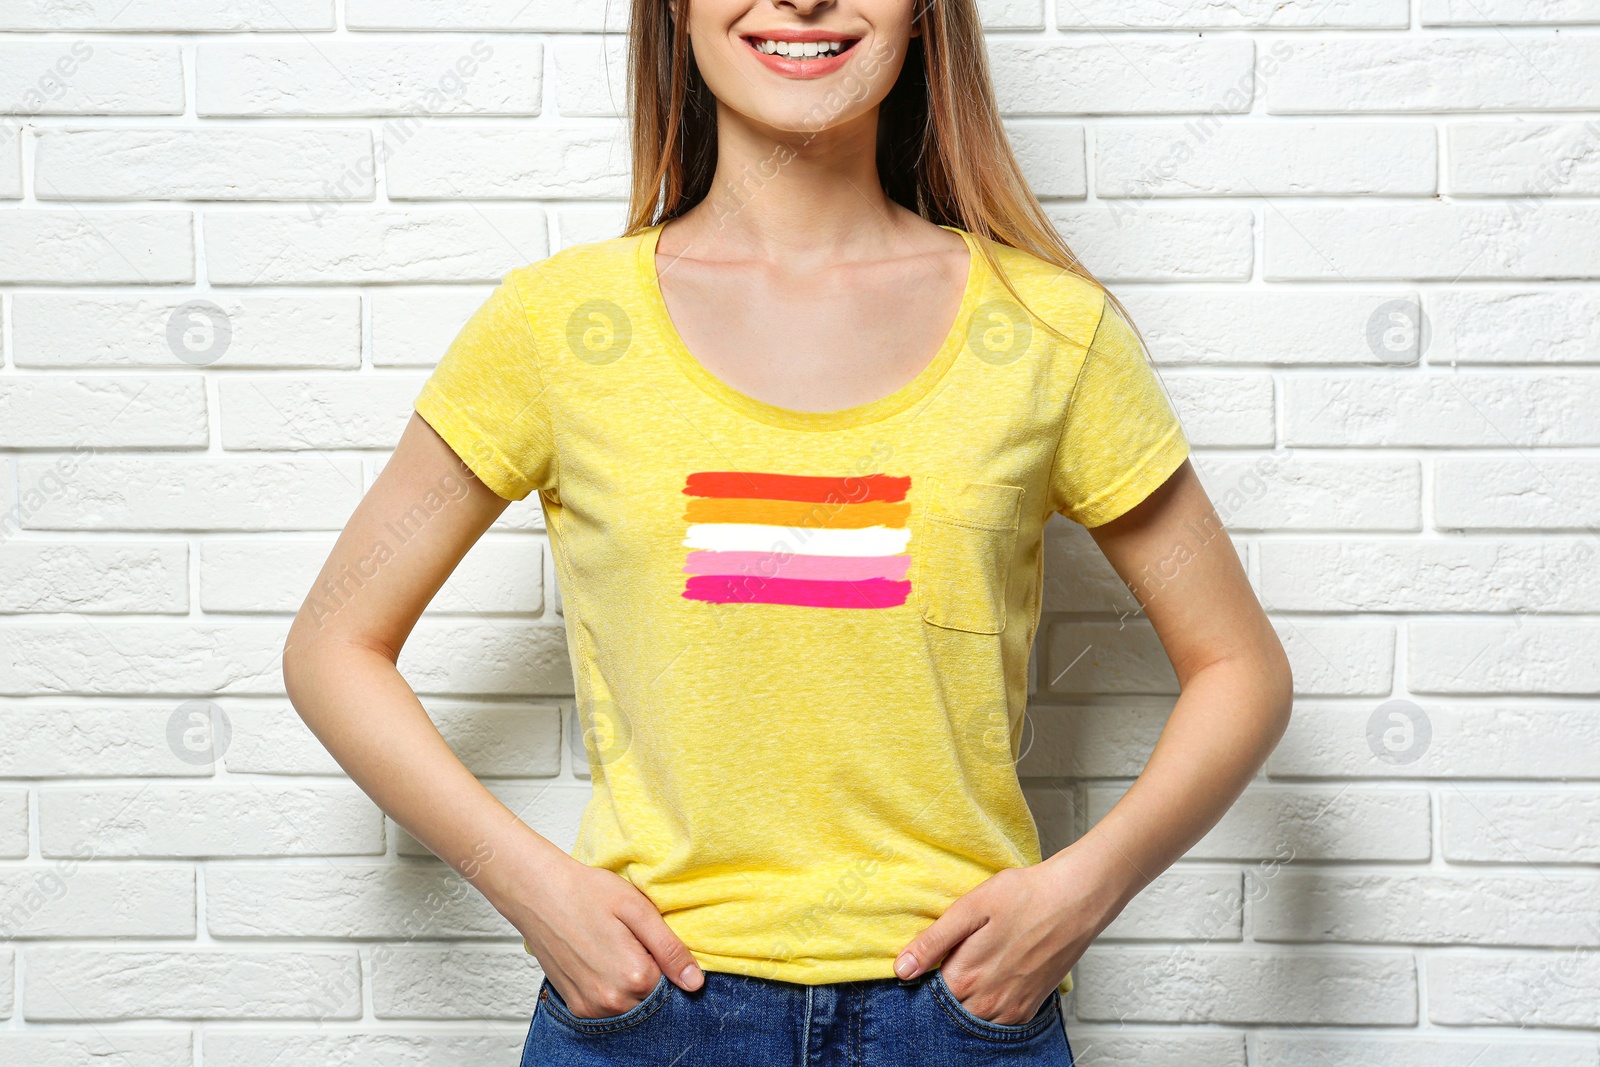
[(797, 539)]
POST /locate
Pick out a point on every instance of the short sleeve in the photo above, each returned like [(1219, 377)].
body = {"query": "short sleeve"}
[(487, 398), (1121, 438)]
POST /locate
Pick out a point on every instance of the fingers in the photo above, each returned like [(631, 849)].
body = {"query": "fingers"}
[(932, 945), (670, 954)]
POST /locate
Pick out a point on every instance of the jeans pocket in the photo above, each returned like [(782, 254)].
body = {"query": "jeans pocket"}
[(551, 1001), (1049, 1012), (964, 539)]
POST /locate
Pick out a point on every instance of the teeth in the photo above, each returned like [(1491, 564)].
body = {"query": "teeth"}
[(800, 49)]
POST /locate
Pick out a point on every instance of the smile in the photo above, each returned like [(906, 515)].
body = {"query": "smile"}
[(800, 49)]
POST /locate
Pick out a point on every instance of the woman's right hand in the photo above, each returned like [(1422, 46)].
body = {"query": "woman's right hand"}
[(602, 942)]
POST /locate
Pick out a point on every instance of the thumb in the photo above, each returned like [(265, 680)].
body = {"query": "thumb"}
[(670, 954), (933, 944)]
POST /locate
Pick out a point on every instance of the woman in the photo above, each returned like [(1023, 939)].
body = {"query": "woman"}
[(796, 435)]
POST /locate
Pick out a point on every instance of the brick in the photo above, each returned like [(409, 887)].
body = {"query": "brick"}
[(60, 77), (1436, 74), (105, 739), (1426, 908), (1550, 325), (1440, 242), (77, 984), (498, 575), (127, 493), (1501, 741), (1297, 824), (160, 820), (1182, 904), (1224, 410), (591, 77), (234, 1047), (1512, 826), (13, 833), (76, 897), (182, 16), (1417, 1049), (1290, 987), (1202, 158), (1276, 14), (1550, 574), (1052, 158), (202, 164), (1430, 410), (1128, 244), (569, 16), (279, 413), (1256, 326), (66, 330), (1086, 741), (94, 578), (1522, 989), (466, 982), (1533, 160), (1121, 1045), (63, 1047), (1097, 77), (140, 658), (1011, 14), (10, 166), (487, 162), (498, 657), (1304, 491), (1508, 12), (103, 412), (413, 327), (79, 247), (1522, 655), (1517, 493), (347, 901), (393, 245), (417, 79)]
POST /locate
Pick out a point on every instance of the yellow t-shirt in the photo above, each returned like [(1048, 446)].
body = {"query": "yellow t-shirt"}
[(800, 640)]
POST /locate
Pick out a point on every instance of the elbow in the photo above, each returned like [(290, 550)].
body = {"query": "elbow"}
[(1278, 687)]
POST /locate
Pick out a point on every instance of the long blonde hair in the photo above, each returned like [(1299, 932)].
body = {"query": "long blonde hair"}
[(942, 151)]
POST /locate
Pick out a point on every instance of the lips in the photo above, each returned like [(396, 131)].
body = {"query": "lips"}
[(801, 53)]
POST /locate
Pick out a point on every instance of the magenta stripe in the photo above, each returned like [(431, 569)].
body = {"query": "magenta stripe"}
[(726, 589), (794, 565)]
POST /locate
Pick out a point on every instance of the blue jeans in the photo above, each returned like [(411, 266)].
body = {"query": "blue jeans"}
[(734, 1020)]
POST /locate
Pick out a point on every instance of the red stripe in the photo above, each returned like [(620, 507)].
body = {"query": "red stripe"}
[(750, 484)]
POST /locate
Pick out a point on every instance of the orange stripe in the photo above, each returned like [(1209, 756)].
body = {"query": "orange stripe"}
[(797, 513)]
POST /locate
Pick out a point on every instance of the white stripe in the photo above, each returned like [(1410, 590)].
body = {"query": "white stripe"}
[(760, 537)]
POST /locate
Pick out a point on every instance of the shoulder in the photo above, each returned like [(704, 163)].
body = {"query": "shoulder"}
[(591, 270), (1066, 301)]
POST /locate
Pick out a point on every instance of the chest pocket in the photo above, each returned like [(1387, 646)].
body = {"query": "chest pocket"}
[(964, 536)]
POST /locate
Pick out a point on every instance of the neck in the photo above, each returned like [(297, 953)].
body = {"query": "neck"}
[(795, 196)]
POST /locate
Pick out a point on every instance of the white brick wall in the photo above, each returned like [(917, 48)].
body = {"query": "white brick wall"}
[(230, 251)]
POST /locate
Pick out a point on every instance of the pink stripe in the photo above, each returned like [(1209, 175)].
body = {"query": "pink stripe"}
[(723, 589), (794, 565)]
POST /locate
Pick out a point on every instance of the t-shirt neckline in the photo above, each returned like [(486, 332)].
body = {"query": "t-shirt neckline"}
[(791, 418)]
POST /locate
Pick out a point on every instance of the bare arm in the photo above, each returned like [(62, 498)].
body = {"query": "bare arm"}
[(596, 935), (1014, 937)]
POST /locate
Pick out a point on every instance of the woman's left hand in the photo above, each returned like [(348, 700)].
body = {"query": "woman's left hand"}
[(1011, 940)]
